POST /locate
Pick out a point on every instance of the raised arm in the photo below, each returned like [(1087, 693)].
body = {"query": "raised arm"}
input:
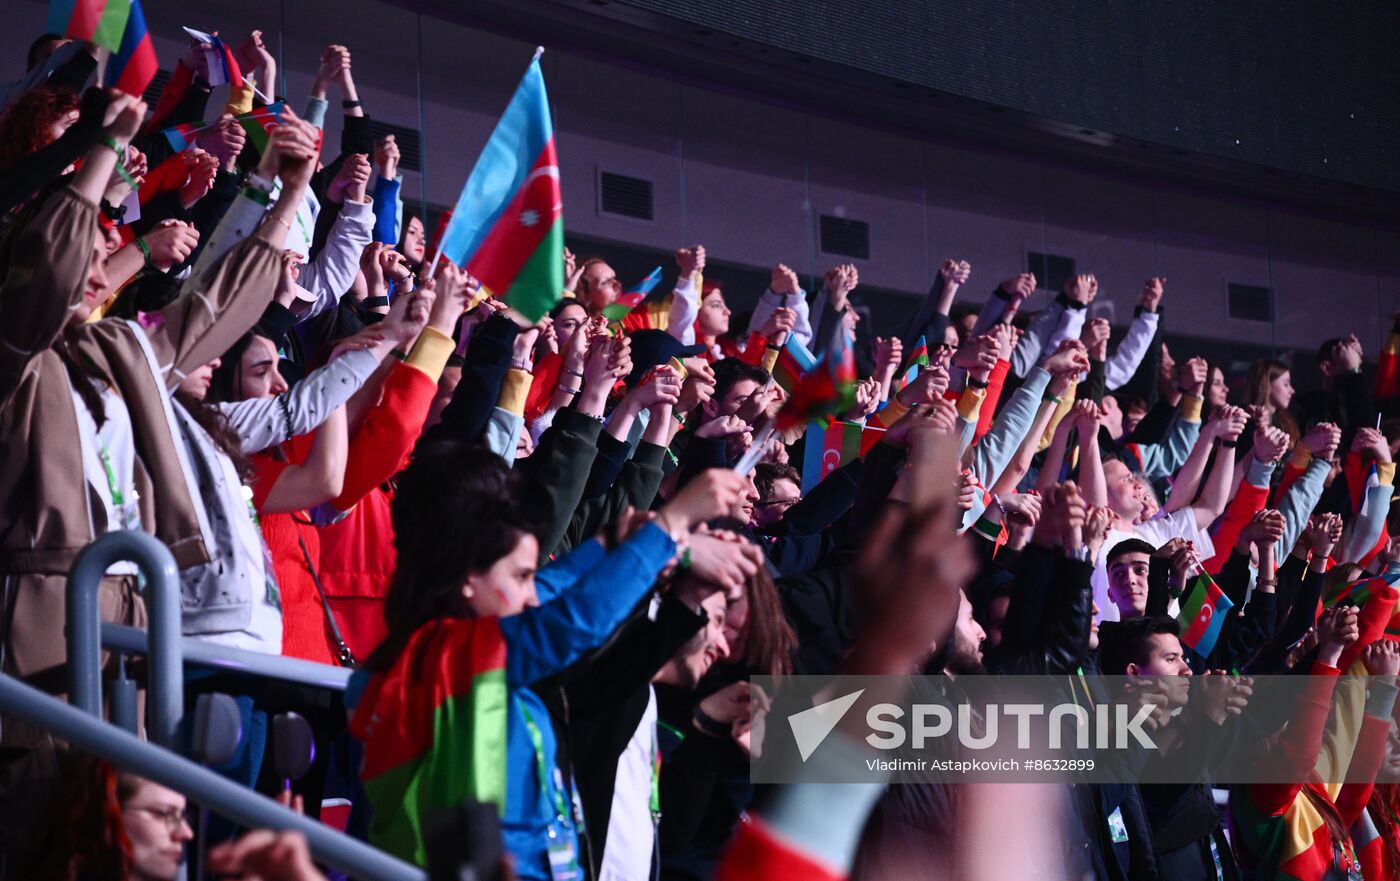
[(1215, 495), (317, 480), (1125, 360)]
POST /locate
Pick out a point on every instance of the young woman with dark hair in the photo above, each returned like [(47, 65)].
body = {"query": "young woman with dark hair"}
[(471, 628)]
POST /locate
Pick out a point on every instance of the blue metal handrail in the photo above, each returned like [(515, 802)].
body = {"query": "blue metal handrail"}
[(166, 698), (133, 640), (204, 787)]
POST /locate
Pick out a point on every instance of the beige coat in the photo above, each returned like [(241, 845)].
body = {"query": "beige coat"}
[(47, 513)]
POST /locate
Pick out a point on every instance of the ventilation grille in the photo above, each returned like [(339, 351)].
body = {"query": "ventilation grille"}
[(627, 197), (1251, 302), (842, 237), (410, 143), (152, 94), (1051, 270)]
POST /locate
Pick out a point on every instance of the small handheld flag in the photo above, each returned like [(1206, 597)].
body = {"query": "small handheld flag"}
[(1356, 593), (794, 362), (826, 390), (133, 64), (507, 228), (260, 123), (219, 64), (839, 444), (1202, 614), (633, 296), (181, 137), (917, 360), (98, 21)]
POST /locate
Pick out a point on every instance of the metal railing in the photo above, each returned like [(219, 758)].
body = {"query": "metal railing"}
[(196, 652), (202, 786), (166, 694)]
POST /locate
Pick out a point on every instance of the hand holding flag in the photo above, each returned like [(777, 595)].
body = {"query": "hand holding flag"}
[(826, 390), (1203, 614)]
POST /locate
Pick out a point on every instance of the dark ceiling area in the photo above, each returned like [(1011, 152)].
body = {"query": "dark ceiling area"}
[(1288, 101)]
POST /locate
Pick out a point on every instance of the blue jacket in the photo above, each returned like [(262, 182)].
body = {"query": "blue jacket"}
[(584, 596)]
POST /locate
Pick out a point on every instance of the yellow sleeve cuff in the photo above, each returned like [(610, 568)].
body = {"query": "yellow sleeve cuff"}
[(1385, 473), (970, 404), (893, 412), (240, 99), (1191, 408), (1301, 457), (514, 391), (770, 359), (431, 352), (679, 367)]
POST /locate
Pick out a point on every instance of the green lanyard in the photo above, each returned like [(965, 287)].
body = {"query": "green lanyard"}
[(537, 741), (656, 765), (118, 498)]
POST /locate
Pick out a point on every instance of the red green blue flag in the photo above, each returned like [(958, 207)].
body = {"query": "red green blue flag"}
[(507, 228), (260, 123), (97, 21), (1202, 614), (824, 391), (133, 65), (434, 729), (181, 137), (1356, 593), (794, 362), (632, 297), (832, 447), (917, 360)]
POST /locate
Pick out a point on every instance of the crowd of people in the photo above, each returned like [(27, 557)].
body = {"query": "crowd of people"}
[(531, 541)]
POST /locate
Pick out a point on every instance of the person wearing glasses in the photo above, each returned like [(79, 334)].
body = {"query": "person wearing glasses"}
[(103, 822)]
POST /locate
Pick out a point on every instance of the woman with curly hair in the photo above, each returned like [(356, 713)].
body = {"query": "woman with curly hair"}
[(36, 119)]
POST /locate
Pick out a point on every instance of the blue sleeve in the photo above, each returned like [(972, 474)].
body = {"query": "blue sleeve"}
[(386, 210), (1298, 503), (564, 573), (583, 613)]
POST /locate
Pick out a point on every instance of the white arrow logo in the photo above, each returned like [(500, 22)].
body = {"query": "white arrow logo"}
[(810, 727)]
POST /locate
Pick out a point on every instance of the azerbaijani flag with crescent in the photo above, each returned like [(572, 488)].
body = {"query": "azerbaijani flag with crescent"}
[(826, 390), (98, 21), (507, 228), (1202, 615), (434, 730), (840, 443)]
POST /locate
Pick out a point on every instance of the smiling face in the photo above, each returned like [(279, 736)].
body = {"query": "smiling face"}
[(95, 288), (1124, 491), (743, 510), (1127, 583), (598, 286), (694, 659), (783, 495), (1216, 390), (154, 820)]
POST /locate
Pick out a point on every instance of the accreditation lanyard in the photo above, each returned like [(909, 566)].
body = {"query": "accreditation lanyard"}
[(128, 518), (561, 808)]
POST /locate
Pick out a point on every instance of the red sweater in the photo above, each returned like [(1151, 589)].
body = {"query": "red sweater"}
[(358, 555)]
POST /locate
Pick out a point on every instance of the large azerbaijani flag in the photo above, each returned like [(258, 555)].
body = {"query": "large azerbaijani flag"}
[(434, 730), (98, 21), (838, 444), (1203, 614), (824, 391), (507, 228)]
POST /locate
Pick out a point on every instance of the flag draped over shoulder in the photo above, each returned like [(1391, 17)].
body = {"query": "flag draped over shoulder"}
[(98, 21), (829, 448), (1202, 614), (507, 228), (434, 729), (824, 391), (133, 63)]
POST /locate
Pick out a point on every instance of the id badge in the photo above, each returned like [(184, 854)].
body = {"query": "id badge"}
[(1117, 829), (563, 857)]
